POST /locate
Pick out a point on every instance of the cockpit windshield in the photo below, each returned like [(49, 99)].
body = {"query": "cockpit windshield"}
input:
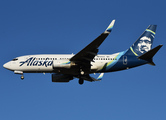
[(15, 59)]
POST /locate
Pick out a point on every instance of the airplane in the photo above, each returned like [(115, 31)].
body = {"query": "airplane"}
[(66, 67)]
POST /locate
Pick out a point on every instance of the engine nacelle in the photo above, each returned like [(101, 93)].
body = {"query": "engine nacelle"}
[(61, 64), (61, 78)]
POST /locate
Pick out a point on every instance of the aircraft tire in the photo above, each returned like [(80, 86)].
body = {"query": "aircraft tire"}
[(22, 77), (81, 81)]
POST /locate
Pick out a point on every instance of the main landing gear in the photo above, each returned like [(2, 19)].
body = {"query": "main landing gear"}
[(81, 81)]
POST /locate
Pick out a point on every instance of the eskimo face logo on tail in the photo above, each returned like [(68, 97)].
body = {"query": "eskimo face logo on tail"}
[(144, 44), (33, 62)]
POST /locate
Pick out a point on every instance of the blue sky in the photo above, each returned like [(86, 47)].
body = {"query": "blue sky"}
[(65, 27)]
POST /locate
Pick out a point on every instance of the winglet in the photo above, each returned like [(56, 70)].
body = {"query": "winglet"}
[(100, 76), (109, 28)]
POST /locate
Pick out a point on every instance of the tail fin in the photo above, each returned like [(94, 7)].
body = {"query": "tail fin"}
[(144, 43)]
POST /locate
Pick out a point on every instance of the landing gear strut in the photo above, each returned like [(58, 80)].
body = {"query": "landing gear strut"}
[(81, 81)]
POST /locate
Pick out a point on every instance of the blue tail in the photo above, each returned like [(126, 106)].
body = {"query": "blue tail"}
[(144, 43)]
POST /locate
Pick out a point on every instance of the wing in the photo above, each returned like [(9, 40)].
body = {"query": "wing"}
[(86, 55)]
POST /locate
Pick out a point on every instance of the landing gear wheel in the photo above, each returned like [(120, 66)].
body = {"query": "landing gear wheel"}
[(81, 81), (22, 77)]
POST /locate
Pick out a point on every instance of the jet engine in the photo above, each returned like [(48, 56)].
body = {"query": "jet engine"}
[(61, 78)]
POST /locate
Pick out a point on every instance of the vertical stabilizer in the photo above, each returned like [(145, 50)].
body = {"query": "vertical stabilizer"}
[(144, 43)]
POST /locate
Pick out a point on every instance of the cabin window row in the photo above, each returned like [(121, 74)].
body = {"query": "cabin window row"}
[(51, 58), (69, 58), (105, 59)]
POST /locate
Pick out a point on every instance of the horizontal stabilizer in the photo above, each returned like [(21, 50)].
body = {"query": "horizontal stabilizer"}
[(149, 55), (152, 63)]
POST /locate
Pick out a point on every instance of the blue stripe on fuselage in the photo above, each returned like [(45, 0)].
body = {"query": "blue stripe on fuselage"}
[(132, 61), (116, 65)]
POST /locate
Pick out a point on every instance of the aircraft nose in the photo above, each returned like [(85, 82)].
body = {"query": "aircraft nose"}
[(6, 65)]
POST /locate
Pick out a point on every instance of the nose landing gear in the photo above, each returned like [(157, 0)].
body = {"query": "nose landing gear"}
[(22, 77), (20, 73)]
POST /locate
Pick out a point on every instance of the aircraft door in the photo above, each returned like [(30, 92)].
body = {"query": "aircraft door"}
[(124, 60)]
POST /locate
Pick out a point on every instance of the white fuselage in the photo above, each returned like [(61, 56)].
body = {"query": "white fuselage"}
[(44, 62)]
